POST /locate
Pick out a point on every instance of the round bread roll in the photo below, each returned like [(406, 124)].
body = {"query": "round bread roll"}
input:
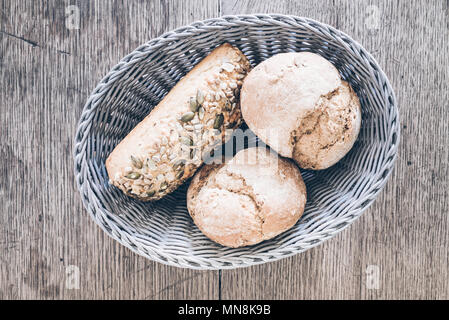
[(253, 197), (298, 105)]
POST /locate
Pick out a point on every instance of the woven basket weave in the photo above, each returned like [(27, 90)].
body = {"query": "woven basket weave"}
[(163, 231)]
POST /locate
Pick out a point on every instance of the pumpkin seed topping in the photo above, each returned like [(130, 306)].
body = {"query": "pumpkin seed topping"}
[(137, 163), (151, 193), (186, 117), (180, 174), (188, 141), (163, 186), (133, 175), (219, 118), (179, 165)]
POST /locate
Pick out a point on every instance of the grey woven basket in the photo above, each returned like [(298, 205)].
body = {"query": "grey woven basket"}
[(163, 231)]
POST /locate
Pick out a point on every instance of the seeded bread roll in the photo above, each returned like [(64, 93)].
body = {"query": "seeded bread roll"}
[(298, 105), (167, 147), (253, 197)]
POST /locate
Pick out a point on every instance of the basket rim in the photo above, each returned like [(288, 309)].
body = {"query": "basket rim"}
[(83, 129)]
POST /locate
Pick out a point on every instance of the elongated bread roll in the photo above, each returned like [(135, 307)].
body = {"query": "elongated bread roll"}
[(167, 147)]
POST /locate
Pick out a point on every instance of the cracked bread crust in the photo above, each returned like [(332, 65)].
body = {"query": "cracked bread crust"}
[(298, 105), (253, 197), (328, 132)]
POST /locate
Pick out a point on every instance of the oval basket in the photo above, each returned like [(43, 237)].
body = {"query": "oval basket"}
[(163, 231)]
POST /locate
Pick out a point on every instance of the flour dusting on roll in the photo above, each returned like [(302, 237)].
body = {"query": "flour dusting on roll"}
[(253, 197), (298, 105)]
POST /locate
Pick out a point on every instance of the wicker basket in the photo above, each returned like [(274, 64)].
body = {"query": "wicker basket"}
[(163, 231)]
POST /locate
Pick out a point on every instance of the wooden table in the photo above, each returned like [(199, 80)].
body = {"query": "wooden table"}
[(51, 58)]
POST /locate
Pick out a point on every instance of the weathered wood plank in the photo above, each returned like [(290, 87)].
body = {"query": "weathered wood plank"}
[(406, 232), (47, 73)]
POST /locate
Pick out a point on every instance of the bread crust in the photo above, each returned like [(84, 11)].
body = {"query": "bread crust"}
[(326, 134), (298, 105), (251, 198), (167, 147)]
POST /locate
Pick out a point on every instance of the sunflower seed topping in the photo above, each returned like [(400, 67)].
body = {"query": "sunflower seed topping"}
[(199, 97), (148, 176), (201, 113), (229, 67), (156, 158), (128, 169), (172, 156), (170, 176), (151, 164), (193, 104)]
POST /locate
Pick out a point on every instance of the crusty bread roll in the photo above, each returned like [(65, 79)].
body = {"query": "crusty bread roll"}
[(253, 197), (167, 147), (298, 105)]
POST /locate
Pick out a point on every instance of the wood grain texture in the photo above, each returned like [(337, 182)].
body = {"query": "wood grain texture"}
[(405, 233), (47, 73)]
